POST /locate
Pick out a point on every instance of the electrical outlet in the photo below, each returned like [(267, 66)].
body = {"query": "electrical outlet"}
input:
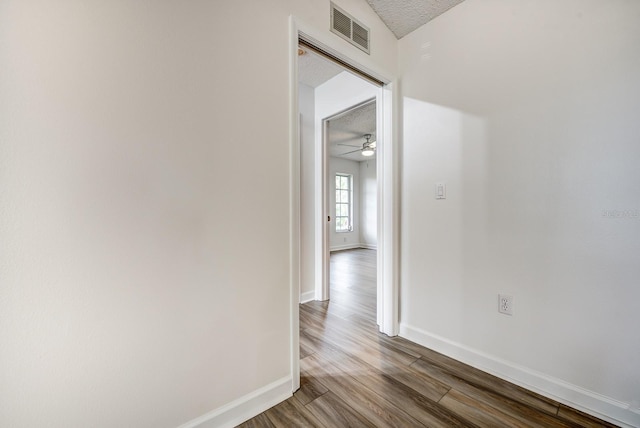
[(505, 304)]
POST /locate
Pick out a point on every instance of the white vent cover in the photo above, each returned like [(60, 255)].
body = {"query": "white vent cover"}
[(349, 28)]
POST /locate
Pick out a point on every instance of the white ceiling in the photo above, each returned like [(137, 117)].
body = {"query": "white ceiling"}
[(404, 16)]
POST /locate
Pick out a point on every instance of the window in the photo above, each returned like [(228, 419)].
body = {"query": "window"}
[(343, 202)]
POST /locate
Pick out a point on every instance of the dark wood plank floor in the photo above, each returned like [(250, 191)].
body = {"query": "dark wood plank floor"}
[(353, 376)]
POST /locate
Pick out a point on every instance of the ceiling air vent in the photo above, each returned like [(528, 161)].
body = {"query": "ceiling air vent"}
[(350, 29)]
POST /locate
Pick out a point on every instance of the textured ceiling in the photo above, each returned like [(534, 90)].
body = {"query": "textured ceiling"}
[(404, 16), (314, 70), (346, 132)]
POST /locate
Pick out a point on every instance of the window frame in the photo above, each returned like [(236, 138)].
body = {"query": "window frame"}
[(349, 202)]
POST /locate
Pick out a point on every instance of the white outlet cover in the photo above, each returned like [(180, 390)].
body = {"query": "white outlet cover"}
[(441, 190)]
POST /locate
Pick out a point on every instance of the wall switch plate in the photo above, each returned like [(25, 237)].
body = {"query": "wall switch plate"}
[(505, 304), (441, 191)]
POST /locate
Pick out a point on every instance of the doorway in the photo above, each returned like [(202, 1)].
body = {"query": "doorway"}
[(309, 233), (338, 143)]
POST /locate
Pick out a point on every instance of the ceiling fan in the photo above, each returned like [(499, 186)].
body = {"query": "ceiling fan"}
[(368, 147)]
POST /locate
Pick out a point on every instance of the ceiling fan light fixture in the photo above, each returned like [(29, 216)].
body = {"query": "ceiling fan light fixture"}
[(368, 148)]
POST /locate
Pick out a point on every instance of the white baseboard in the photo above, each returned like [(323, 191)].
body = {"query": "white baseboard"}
[(307, 296), (344, 247), (352, 247), (574, 396), (244, 408)]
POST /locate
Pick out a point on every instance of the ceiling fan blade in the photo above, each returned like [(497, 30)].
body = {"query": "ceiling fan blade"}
[(353, 151), (346, 145), (345, 137)]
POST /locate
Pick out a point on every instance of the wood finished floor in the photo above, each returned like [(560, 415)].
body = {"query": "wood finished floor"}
[(353, 376)]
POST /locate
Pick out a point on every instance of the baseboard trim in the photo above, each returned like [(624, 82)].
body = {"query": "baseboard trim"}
[(352, 247), (344, 247), (307, 296), (566, 393), (244, 408)]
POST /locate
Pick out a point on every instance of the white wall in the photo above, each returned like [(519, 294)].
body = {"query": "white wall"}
[(351, 239), (368, 205), (144, 275), (529, 112), (340, 93), (307, 192)]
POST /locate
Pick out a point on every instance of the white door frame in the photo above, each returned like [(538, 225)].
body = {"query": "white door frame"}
[(322, 223), (388, 190)]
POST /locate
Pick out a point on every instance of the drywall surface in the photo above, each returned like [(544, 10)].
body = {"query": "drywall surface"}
[(339, 94), (307, 190), (350, 239), (528, 111), (368, 205), (144, 205)]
